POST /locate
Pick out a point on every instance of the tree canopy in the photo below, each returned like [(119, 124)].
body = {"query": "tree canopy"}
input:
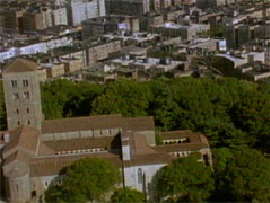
[(127, 195), (186, 179), (85, 180), (248, 176)]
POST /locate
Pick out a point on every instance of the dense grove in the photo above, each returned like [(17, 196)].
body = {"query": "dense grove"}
[(234, 114)]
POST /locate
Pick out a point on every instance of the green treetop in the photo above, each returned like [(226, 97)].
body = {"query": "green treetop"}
[(186, 179), (86, 180)]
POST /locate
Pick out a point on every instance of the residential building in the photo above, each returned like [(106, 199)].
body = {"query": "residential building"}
[(127, 7), (186, 32), (12, 20), (53, 69), (44, 17), (103, 25), (79, 10)]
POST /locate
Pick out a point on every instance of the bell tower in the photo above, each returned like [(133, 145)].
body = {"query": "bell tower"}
[(22, 94)]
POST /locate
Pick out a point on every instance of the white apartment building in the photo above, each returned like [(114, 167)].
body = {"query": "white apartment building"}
[(60, 16), (42, 47), (79, 10)]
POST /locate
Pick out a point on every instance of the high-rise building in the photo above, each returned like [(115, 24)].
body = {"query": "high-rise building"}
[(22, 94), (12, 20), (44, 17), (128, 7), (79, 10)]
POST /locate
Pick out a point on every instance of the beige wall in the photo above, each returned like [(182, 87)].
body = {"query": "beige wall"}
[(79, 134), (23, 110)]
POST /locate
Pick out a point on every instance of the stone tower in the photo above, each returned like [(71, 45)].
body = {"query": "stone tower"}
[(22, 94)]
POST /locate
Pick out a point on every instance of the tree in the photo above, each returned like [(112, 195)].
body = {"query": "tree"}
[(248, 176), (64, 98), (86, 180), (186, 179), (127, 194), (221, 159)]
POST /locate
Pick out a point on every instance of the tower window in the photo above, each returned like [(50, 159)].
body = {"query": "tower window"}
[(14, 83), (27, 110), (26, 95), (15, 95), (28, 122), (19, 123), (25, 83), (18, 111)]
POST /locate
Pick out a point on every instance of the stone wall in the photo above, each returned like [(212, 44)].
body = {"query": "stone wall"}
[(79, 134)]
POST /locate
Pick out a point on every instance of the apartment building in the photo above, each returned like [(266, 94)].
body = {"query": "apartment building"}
[(186, 32), (103, 25), (11, 20), (44, 17), (127, 7), (79, 10)]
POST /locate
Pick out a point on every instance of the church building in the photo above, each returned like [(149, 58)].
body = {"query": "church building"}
[(34, 150)]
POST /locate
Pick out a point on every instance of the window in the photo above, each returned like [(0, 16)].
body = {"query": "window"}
[(17, 188), (15, 95), (28, 122), (26, 95), (100, 132), (18, 111), (25, 83), (140, 177), (19, 123), (14, 83), (27, 110), (34, 194)]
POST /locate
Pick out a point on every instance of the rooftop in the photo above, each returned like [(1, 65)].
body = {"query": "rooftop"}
[(20, 65)]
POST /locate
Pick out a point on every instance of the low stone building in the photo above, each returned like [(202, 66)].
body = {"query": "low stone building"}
[(33, 159), (33, 156)]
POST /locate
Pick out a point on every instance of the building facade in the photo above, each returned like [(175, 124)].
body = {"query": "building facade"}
[(23, 98), (79, 10)]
